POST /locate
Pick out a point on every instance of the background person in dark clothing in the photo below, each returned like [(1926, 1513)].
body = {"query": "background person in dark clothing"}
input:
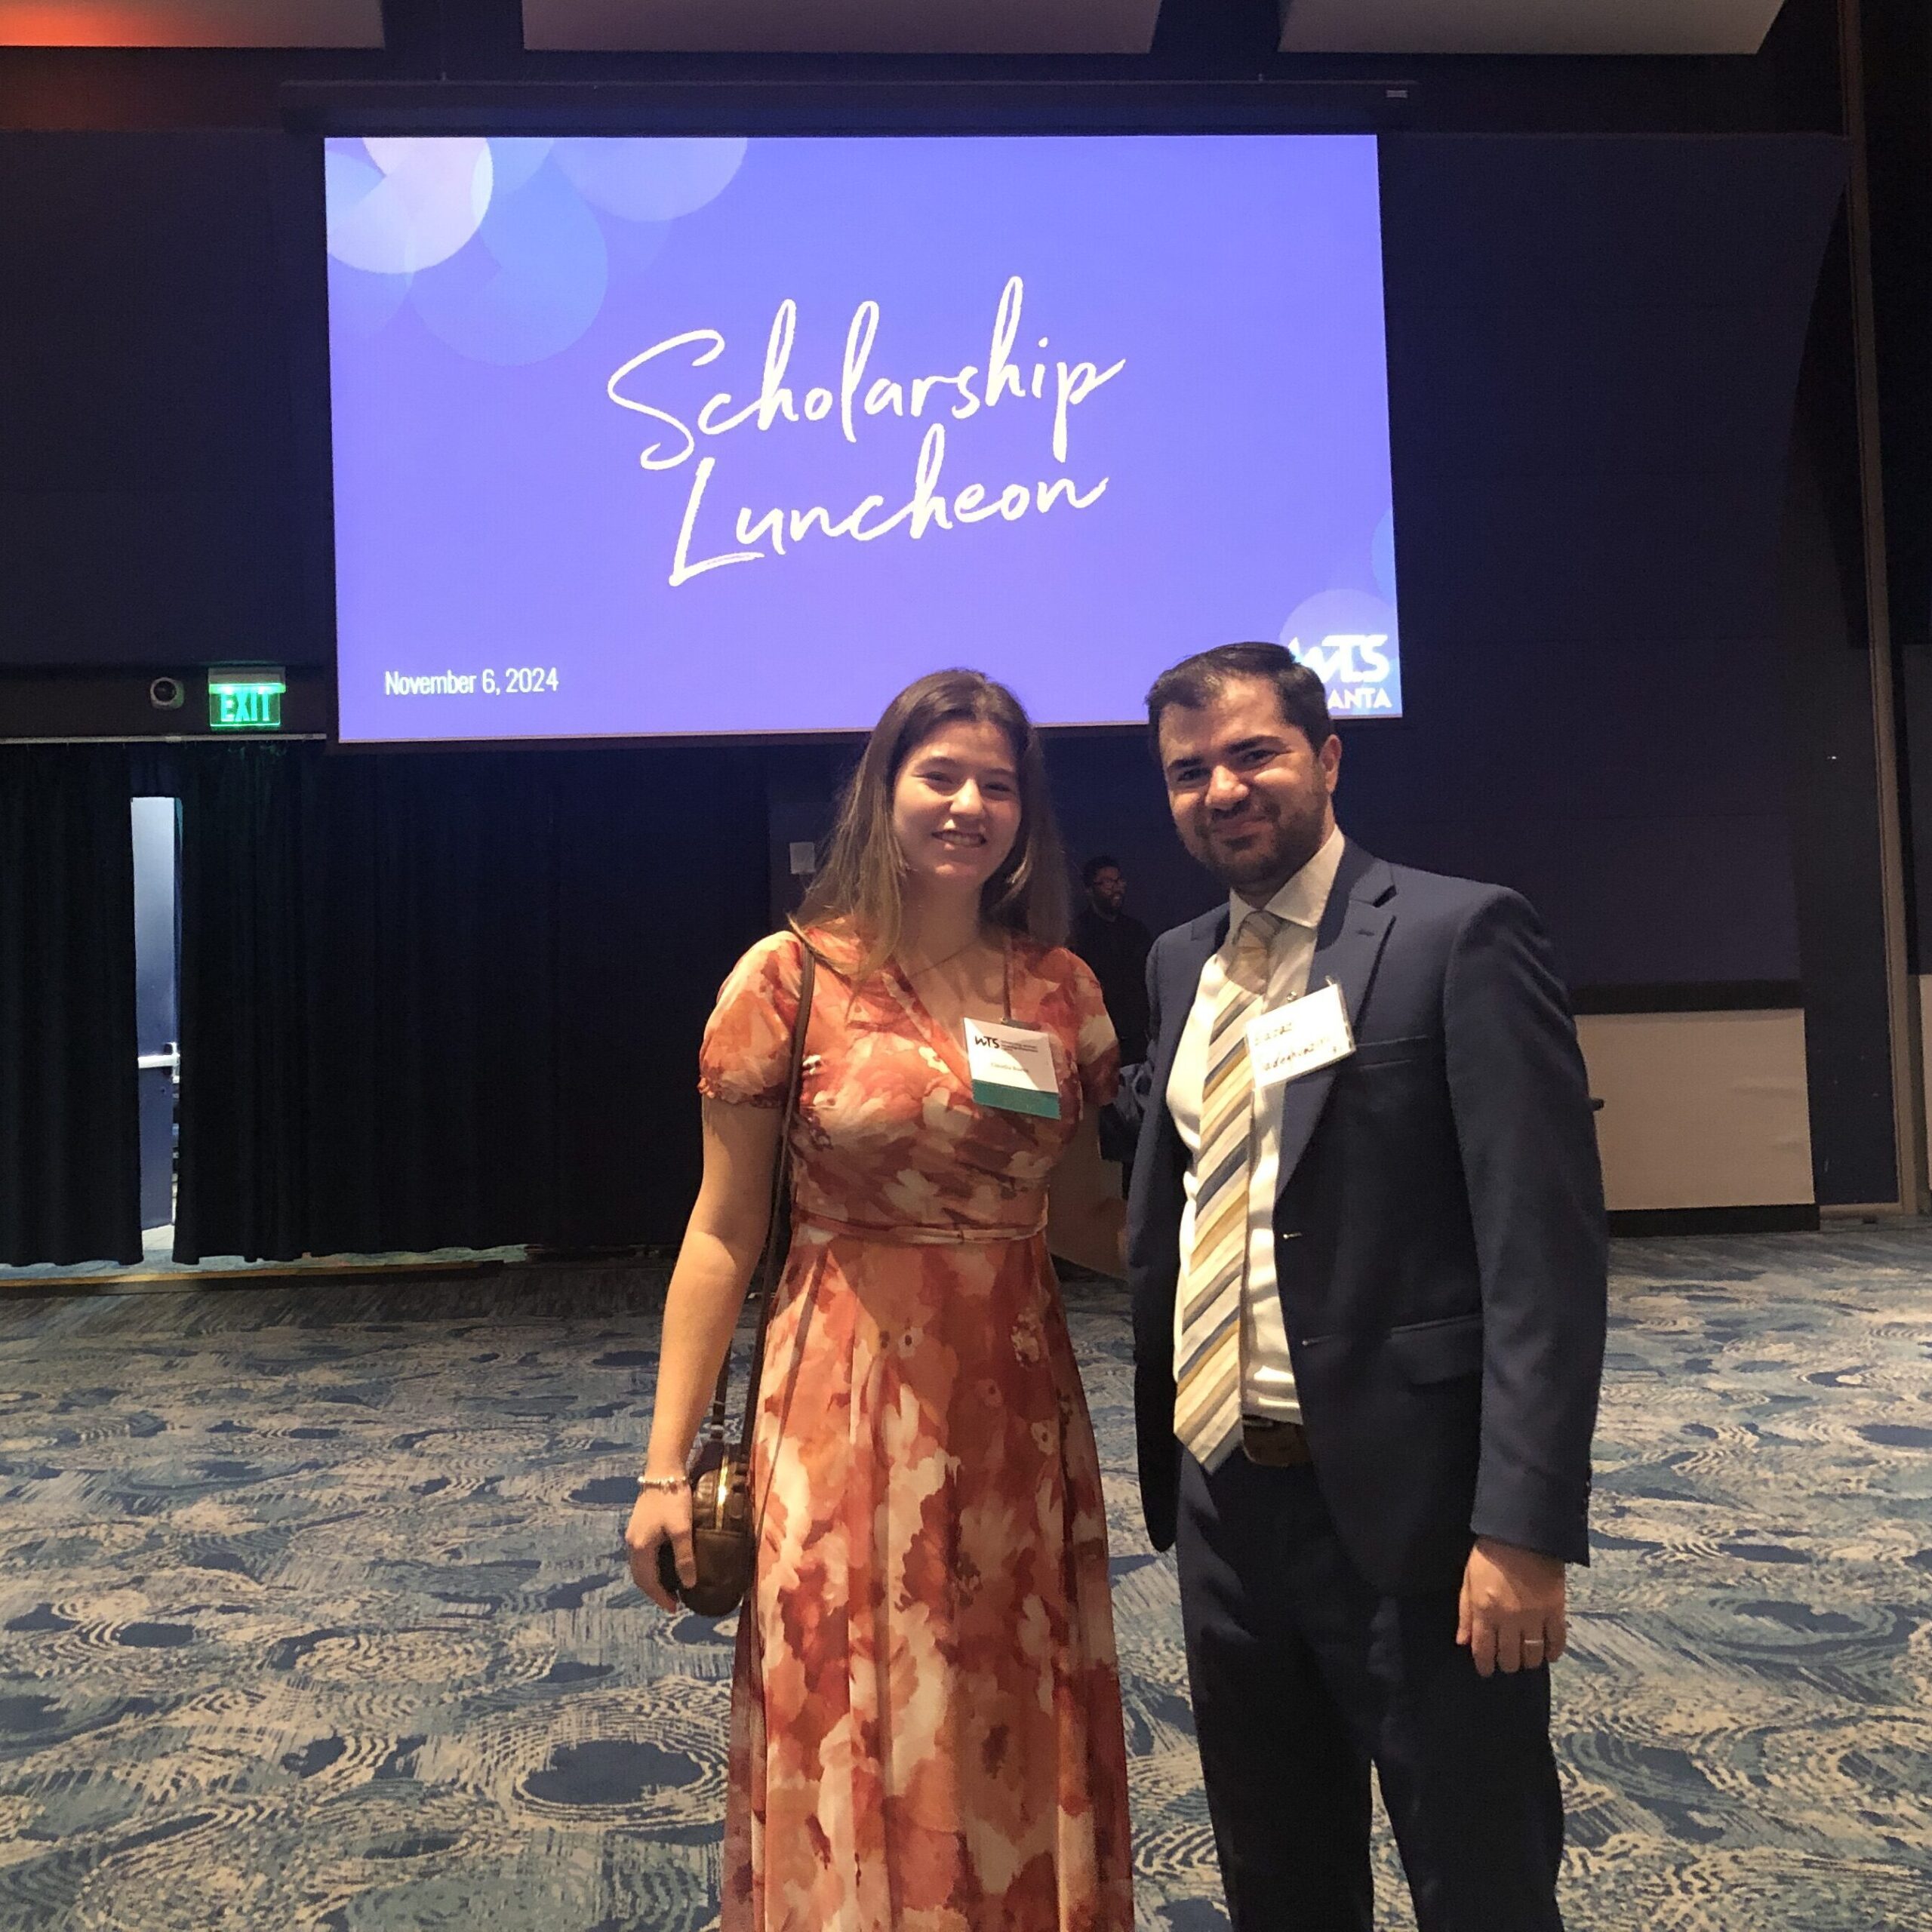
[(1115, 945)]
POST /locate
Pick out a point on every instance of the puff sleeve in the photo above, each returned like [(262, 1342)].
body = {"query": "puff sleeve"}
[(745, 1057)]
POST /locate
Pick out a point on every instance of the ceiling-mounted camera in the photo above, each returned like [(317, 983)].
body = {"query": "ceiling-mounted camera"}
[(167, 693)]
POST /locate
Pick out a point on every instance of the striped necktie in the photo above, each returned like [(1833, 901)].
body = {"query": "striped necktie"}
[(1207, 1400)]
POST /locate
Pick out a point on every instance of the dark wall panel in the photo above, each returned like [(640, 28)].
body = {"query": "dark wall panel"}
[(1833, 775), (158, 400), (1595, 348)]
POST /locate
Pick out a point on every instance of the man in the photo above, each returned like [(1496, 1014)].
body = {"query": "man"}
[(1115, 945), (1369, 1307)]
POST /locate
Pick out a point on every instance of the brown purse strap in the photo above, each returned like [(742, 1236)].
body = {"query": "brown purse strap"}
[(776, 1228)]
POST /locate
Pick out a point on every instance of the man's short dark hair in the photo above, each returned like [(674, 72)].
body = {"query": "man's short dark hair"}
[(1198, 680), (1095, 867)]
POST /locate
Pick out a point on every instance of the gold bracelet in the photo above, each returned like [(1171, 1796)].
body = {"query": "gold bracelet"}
[(664, 1482)]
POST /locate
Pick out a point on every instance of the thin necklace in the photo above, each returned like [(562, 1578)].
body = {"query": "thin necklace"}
[(933, 965)]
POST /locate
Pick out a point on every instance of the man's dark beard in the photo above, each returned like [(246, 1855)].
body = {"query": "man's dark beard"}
[(1291, 844)]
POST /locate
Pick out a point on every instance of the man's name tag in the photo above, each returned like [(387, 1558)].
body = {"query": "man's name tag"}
[(1013, 1068), (1308, 1033)]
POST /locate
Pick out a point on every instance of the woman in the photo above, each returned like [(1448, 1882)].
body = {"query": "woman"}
[(926, 1728)]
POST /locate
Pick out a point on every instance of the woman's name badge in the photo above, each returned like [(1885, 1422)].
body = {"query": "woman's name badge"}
[(1013, 1068), (1308, 1033)]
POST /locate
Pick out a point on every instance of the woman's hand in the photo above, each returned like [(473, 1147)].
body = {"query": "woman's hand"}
[(662, 1516)]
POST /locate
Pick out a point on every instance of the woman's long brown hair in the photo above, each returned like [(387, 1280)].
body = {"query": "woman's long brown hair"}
[(861, 884)]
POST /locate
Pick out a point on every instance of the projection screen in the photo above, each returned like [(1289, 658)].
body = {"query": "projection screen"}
[(681, 437)]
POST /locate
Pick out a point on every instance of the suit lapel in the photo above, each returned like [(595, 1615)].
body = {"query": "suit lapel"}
[(1347, 944)]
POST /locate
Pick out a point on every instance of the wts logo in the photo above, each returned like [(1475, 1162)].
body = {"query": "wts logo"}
[(1352, 665)]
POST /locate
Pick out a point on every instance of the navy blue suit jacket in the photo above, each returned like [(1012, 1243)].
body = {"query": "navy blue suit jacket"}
[(1439, 1230)]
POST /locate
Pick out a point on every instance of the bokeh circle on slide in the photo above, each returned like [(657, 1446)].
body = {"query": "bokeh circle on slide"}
[(516, 157), (362, 304), (410, 204), (530, 286), (641, 179), (1339, 613), (1382, 555)]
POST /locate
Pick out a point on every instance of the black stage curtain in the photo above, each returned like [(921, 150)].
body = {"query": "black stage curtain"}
[(70, 1150), (452, 999)]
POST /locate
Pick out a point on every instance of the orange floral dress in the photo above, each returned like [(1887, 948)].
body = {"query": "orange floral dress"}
[(926, 1732)]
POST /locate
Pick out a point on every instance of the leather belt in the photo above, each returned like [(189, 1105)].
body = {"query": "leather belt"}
[(1274, 1444)]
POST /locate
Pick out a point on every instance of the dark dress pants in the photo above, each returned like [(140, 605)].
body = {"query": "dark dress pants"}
[(1304, 1677)]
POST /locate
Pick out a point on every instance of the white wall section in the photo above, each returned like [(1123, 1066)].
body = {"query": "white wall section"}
[(1701, 1109)]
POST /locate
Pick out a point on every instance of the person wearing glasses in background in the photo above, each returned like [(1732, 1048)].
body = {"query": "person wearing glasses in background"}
[(1115, 945)]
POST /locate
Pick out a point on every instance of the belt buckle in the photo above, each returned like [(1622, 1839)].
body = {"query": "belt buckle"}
[(1273, 1445)]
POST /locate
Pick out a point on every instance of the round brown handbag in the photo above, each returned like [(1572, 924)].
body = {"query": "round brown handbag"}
[(723, 1538), (721, 1533)]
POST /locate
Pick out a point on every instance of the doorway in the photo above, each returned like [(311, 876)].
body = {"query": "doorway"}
[(156, 948)]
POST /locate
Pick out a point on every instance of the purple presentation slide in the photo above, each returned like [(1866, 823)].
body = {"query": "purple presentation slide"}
[(678, 437)]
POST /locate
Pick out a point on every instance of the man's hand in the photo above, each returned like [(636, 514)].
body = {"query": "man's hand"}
[(1512, 1612)]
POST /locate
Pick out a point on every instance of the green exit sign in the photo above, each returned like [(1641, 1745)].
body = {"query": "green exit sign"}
[(246, 699)]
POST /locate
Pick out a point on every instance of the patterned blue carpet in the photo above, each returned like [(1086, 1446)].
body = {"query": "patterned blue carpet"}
[(311, 1611)]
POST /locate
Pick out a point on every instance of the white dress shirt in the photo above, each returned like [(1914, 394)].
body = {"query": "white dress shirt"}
[(1267, 1375)]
